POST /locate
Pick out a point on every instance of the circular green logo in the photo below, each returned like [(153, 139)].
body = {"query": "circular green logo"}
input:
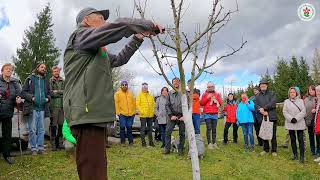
[(306, 12)]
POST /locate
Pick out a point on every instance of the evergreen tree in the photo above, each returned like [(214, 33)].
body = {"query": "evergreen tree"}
[(282, 80), (304, 80), (294, 72), (37, 46), (316, 66), (269, 79)]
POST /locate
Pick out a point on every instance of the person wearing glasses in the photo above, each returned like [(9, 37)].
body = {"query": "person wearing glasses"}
[(125, 109)]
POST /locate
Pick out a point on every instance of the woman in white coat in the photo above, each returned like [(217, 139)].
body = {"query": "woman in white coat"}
[(294, 112)]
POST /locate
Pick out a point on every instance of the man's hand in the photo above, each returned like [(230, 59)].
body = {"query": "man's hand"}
[(18, 99), (149, 33), (294, 120), (47, 100), (181, 119), (261, 110), (32, 99), (265, 113), (161, 29), (209, 96), (142, 35), (173, 118)]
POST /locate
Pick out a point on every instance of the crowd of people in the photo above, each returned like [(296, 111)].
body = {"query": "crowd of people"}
[(42, 97), (300, 114)]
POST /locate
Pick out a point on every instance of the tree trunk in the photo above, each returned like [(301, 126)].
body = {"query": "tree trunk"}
[(191, 137)]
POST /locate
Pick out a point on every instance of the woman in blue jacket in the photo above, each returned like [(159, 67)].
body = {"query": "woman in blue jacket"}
[(246, 120)]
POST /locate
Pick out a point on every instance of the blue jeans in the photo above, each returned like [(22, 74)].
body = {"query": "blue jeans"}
[(196, 123), (163, 133), (247, 129), (36, 130), (126, 122)]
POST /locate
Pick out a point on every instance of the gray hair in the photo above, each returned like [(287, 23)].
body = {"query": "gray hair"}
[(211, 83), (318, 88)]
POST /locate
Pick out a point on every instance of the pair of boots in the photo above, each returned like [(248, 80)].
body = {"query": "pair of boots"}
[(56, 137), (295, 157), (144, 144)]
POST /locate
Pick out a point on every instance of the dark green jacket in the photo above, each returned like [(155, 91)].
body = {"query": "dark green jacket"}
[(7, 103), (56, 97), (29, 91), (88, 95)]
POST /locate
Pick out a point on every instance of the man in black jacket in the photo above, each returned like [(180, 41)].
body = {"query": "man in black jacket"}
[(266, 107), (10, 90)]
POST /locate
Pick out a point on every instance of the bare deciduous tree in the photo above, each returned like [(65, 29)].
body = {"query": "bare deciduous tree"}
[(119, 74), (186, 50)]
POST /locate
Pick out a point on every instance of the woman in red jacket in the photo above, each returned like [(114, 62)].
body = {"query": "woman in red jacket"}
[(317, 124), (230, 111), (211, 102)]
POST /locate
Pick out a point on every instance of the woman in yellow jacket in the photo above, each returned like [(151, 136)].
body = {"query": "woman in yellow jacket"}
[(126, 110), (145, 105)]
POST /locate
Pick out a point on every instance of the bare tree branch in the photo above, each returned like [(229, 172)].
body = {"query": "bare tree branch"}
[(179, 12), (159, 63), (189, 47), (139, 9), (229, 54), (165, 44), (160, 74), (213, 22)]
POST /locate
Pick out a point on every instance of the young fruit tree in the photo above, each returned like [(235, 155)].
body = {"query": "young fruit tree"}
[(178, 50)]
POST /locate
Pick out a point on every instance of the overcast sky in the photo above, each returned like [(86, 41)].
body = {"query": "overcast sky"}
[(271, 27)]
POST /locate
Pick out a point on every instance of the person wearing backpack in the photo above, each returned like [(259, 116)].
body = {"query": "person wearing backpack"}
[(294, 112)]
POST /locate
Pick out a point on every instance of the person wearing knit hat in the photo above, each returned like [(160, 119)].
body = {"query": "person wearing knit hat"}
[(125, 109), (146, 105)]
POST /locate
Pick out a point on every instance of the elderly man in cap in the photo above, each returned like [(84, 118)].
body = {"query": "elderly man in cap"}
[(88, 96), (265, 105)]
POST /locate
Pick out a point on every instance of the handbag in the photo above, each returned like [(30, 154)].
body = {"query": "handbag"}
[(266, 129)]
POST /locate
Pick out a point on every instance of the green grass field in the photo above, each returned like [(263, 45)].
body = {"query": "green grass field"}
[(230, 162)]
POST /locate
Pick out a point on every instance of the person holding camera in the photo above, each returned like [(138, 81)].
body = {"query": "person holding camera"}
[(10, 90), (211, 101)]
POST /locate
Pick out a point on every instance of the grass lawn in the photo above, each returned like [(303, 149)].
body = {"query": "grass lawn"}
[(230, 162)]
